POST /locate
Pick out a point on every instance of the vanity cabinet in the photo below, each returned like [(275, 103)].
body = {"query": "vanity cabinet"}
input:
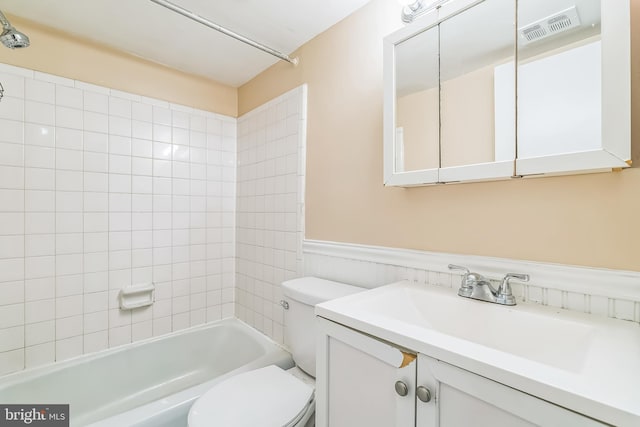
[(364, 381)]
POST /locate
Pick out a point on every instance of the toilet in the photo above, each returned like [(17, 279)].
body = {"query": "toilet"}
[(271, 396)]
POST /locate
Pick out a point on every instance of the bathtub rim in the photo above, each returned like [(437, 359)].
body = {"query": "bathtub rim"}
[(26, 374)]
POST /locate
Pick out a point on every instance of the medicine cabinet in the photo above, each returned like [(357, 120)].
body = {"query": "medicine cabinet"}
[(493, 89)]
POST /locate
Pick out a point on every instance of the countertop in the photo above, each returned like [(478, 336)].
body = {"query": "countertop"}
[(604, 385)]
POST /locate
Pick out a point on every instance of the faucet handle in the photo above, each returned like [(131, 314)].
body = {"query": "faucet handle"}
[(459, 267), (466, 286), (504, 294), (522, 277)]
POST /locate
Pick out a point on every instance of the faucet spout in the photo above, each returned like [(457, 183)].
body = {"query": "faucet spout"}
[(478, 287)]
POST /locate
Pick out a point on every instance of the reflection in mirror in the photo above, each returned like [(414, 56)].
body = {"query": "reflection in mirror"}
[(559, 77), (477, 54), (417, 117)]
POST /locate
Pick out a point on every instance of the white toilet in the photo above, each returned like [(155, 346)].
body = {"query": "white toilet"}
[(271, 396)]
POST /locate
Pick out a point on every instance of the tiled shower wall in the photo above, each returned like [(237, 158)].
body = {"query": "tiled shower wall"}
[(101, 190), (270, 208)]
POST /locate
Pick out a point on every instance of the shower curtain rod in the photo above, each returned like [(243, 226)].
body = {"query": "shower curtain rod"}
[(188, 14)]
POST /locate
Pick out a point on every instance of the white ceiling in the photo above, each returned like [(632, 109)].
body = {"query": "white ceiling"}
[(147, 30)]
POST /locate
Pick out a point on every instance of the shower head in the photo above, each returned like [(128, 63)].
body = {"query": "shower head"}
[(10, 37)]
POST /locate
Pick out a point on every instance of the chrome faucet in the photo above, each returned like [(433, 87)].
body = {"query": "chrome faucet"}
[(478, 287)]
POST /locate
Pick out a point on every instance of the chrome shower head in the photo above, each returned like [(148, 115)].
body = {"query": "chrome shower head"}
[(10, 37)]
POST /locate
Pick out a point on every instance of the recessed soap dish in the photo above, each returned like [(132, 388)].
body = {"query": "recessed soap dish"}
[(136, 296)]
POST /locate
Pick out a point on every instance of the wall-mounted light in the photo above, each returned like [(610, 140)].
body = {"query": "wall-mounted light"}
[(412, 9)]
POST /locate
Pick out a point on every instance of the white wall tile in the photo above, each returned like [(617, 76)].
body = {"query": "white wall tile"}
[(12, 292), (161, 133), (96, 102), (120, 107), (67, 180), (141, 148), (36, 90), (96, 142), (11, 315), (40, 135), (69, 97), (37, 289), (119, 126), (11, 154), (69, 159), (35, 157), (12, 131), (70, 139), (96, 222), (11, 361), (39, 333), (142, 111), (96, 182), (12, 108), (94, 322), (39, 311), (69, 222), (13, 82), (95, 242), (12, 200), (84, 211), (69, 327), (71, 243), (161, 115), (71, 118), (96, 341), (40, 113), (68, 348), (58, 80), (119, 183), (12, 223), (96, 122), (69, 285)]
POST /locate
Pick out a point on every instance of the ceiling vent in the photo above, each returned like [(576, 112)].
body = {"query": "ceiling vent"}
[(551, 25)]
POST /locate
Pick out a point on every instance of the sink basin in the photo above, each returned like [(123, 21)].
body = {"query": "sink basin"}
[(536, 333)]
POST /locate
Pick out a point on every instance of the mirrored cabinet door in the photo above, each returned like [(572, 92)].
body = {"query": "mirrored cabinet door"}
[(573, 86), (478, 93), (412, 104), (417, 137), (480, 90)]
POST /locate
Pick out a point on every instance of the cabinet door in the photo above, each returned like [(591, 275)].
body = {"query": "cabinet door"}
[(462, 398), (356, 380)]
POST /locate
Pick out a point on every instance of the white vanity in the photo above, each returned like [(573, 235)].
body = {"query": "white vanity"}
[(409, 354)]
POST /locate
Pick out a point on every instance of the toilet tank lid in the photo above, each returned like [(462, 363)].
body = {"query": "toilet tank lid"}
[(312, 290)]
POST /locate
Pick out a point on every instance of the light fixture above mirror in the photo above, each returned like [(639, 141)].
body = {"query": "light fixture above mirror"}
[(412, 9)]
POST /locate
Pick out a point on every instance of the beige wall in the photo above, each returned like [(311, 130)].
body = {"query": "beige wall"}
[(56, 53), (589, 220)]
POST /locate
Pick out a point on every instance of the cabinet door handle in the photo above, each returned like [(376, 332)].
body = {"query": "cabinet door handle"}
[(424, 394), (401, 388)]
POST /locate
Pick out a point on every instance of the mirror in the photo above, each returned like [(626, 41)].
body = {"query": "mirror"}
[(573, 86), (524, 88), (477, 74), (559, 77), (417, 127)]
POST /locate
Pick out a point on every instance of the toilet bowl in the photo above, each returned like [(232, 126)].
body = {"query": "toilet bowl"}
[(271, 396)]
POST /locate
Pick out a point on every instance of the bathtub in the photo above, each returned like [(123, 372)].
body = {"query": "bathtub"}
[(151, 383)]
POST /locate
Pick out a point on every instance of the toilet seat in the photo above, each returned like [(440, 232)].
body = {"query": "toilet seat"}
[(268, 397)]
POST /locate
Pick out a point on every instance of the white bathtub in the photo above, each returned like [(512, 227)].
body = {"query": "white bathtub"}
[(151, 383)]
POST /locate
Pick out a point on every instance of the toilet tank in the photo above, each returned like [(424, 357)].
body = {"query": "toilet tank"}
[(299, 319)]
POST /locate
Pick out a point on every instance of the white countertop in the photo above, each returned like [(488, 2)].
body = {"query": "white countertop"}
[(600, 379)]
